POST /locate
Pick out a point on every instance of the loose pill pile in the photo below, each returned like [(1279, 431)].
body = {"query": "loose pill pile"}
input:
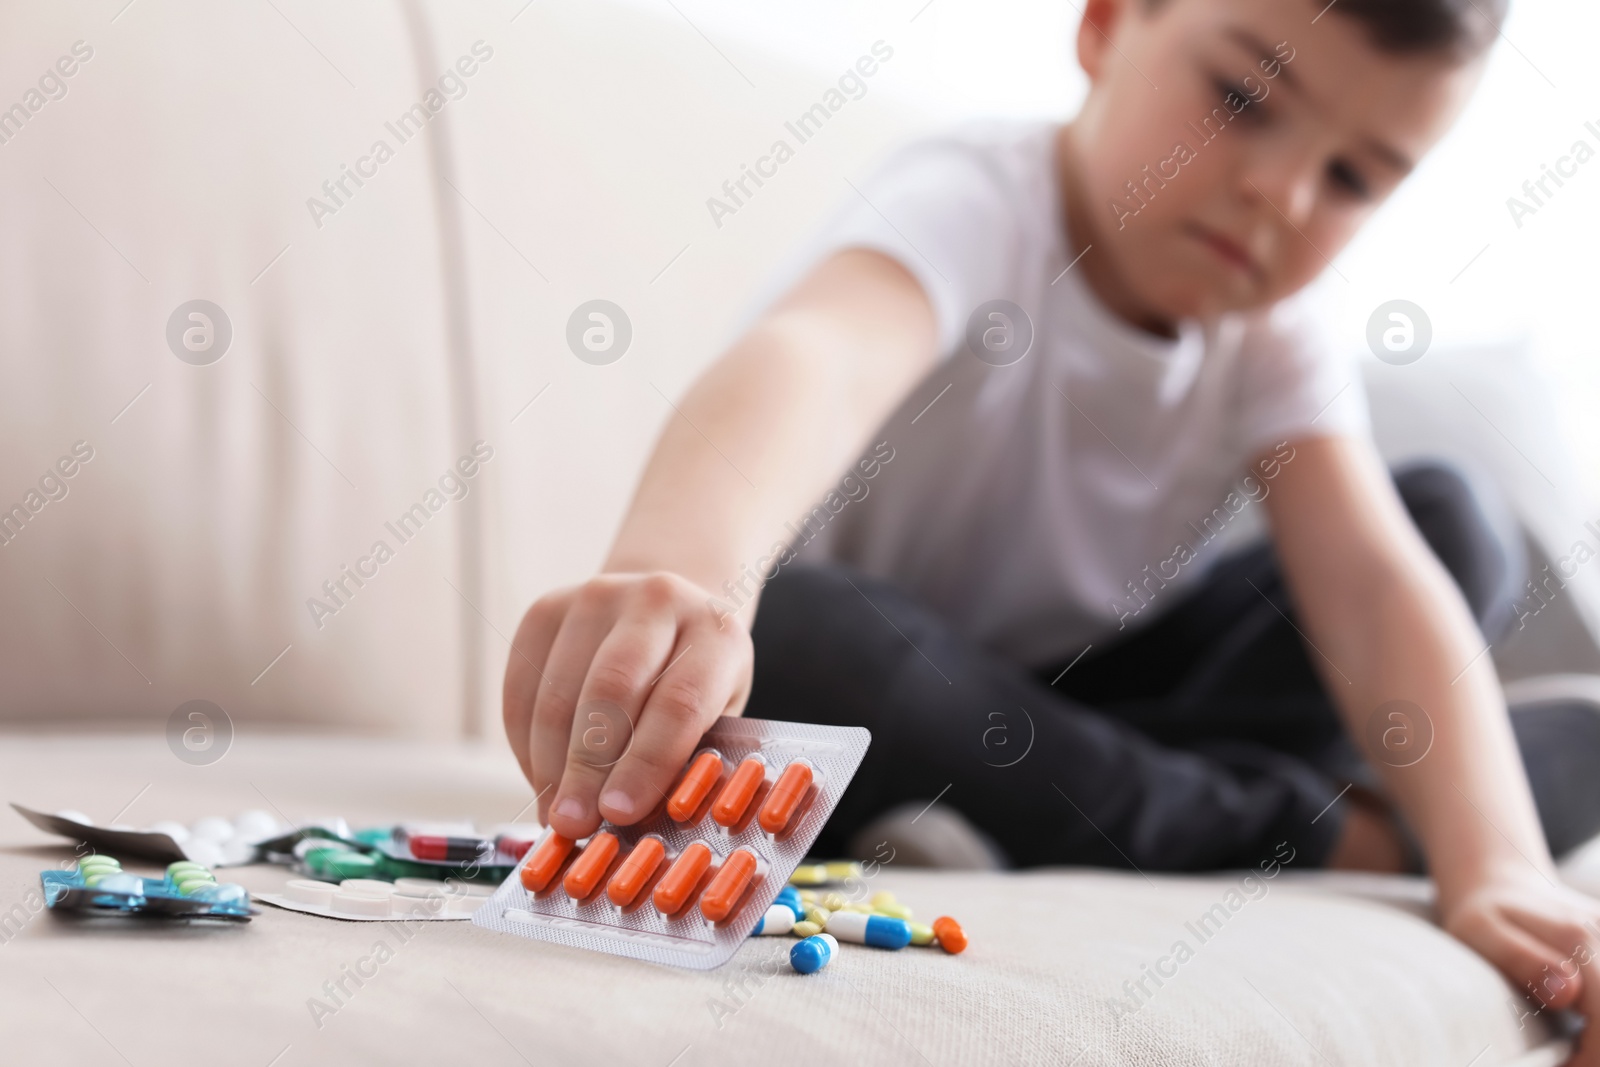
[(822, 920), (99, 885), (685, 885)]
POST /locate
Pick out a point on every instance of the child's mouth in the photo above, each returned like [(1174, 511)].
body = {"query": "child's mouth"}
[(1226, 249)]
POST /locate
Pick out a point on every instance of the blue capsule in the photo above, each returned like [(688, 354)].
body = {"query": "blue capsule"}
[(880, 931), (813, 953), (789, 897)]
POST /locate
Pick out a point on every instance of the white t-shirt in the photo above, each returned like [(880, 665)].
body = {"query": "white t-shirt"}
[(1027, 502)]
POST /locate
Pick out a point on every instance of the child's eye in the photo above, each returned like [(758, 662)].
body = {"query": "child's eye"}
[(1349, 179), (1236, 98)]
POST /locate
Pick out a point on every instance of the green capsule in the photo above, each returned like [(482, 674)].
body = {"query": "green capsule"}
[(187, 886)]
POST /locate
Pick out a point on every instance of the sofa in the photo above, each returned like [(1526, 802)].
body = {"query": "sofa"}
[(395, 371)]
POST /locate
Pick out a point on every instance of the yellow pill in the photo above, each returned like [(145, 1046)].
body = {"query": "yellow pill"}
[(809, 874), (818, 915), (842, 870), (808, 896), (882, 897), (804, 928), (921, 934), (894, 911), (859, 906), (833, 901)]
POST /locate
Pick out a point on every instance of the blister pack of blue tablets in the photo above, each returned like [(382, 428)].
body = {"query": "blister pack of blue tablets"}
[(99, 886)]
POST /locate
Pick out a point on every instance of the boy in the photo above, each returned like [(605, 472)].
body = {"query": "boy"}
[(1111, 296)]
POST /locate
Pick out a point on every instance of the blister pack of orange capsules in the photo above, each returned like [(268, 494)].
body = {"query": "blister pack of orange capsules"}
[(686, 885)]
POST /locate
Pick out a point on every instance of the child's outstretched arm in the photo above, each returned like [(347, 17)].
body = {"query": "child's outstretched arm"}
[(640, 648), (1386, 622)]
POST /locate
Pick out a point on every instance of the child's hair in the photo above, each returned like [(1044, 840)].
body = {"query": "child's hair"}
[(1462, 28)]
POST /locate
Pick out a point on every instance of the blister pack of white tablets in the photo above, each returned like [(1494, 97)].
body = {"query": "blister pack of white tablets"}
[(212, 841), (372, 900), (687, 884)]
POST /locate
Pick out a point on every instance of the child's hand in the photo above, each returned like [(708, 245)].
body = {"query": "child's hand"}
[(1546, 938), (610, 685)]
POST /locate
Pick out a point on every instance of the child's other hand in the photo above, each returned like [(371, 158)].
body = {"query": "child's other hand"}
[(1546, 938), (610, 685)]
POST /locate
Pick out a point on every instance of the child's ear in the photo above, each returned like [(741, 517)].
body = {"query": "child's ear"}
[(1099, 25)]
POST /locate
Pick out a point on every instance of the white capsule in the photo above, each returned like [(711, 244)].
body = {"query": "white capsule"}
[(212, 828), (779, 919), (236, 852), (255, 825), (204, 852)]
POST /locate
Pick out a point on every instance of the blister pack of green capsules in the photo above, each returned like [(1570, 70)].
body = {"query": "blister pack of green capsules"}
[(99, 886)]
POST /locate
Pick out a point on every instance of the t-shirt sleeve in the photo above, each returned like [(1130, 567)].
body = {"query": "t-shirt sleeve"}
[(1295, 382), (940, 208)]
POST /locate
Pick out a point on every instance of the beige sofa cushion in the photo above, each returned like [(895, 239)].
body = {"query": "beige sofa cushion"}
[(1315, 970)]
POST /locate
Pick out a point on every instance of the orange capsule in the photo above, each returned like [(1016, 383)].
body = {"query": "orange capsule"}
[(728, 885), (697, 782), (590, 866), (545, 861), (730, 806), (673, 891), (951, 937), (785, 797), (635, 871)]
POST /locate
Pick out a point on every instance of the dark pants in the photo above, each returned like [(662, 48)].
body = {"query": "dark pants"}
[(1200, 742)]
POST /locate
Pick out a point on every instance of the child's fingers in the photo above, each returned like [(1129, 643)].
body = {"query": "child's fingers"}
[(1562, 929), (1528, 961), (1588, 1054), (709, 676), (585, 625), (530, 648), (1557, 924), (628, 660)]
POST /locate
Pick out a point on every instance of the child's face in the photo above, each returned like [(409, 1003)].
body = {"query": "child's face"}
[(1319, 128)]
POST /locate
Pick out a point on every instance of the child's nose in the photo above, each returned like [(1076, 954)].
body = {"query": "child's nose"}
[(1284, 183)]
